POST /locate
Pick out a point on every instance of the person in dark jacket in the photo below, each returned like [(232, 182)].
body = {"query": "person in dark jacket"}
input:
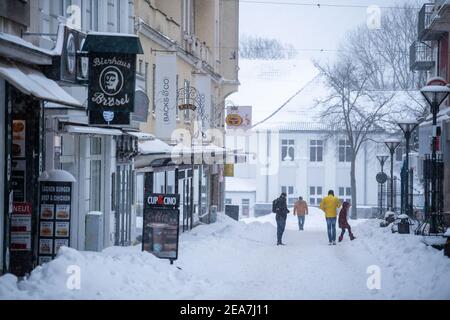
[(343, 223), (281, 211)]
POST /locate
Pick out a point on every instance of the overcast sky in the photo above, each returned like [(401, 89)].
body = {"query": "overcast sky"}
[(307, 27)]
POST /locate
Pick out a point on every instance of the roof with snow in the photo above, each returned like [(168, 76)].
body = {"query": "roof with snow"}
[(233, 184)]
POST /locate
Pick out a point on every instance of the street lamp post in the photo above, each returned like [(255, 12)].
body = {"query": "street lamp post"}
[(407, 126), (435, 92), (382, 159), (392, 145)]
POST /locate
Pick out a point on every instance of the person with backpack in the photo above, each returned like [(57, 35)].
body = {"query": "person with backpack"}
[(343, 222), (300, 210), (329, 205), (279, 207)]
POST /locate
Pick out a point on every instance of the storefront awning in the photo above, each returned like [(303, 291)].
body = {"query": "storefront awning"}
[(33, 82), (113, 43), (141, 136), (92, 130)]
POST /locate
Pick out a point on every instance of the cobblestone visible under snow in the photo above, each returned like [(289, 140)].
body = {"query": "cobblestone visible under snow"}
[(239, 260)]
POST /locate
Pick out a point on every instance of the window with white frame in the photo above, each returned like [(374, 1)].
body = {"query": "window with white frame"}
[(345, 151), (316, 150), (345, 194), (289, 190), (315, 195), (91, 22), (287, 150)]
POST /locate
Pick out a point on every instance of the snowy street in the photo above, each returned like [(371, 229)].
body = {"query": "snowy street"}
[(239, 260)]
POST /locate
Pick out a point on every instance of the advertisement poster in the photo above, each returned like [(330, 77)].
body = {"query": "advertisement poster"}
[(239, 117), (18, 180), (161, 225), (46, 229), (54, 223), (20, 241), (21, 227), (165, 95), (18, 147), (46, 246)]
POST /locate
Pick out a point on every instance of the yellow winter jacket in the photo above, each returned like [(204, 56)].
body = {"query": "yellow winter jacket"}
[(329, 205)]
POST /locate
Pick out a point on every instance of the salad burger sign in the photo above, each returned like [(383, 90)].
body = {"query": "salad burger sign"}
[(112, 77)]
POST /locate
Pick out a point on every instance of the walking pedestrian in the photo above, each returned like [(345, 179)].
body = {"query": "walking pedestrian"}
[(343, 222), (300, 210), (279, 207), (329, 205)]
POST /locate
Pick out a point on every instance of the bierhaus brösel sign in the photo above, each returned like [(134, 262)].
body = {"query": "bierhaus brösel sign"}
[(112, 75)]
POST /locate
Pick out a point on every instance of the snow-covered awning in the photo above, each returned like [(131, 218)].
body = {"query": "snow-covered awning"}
[(92, 130), (141, 136), (154, 146), (33, 82)]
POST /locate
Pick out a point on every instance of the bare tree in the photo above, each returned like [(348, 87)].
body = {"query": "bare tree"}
[(352, 109), (384, 53)]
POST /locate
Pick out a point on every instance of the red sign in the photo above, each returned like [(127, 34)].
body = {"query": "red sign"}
[(22, 208)]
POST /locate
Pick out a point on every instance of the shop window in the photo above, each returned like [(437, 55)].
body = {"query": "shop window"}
[(316, 150), (287, 150)]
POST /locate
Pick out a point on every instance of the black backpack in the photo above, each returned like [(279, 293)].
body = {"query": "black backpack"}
[(275, 205)]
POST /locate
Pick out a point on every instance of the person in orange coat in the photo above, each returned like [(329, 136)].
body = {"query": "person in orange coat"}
[(300, 210)]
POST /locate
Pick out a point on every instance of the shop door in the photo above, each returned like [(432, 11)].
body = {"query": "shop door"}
[(123, 198)]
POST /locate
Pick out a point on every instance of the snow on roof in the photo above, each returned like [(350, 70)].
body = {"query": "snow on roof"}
[(403, 216), (153, 146), (267, 84), (21, 42), (233, 184), (285, 94)]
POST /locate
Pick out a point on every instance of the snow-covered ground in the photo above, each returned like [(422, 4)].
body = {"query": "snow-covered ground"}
[(239, 260)]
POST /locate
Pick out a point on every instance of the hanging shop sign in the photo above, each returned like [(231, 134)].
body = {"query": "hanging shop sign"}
[(55, 204), (69, 65), (112, 77), (239, 117), (228, 170), (21, 227), (165, 95), (161, 225)]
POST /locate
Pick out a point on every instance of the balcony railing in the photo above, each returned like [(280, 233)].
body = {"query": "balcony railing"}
[(420, 56), (427, 15)]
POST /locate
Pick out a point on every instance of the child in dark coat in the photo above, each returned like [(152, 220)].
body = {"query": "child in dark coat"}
[(343, 223)]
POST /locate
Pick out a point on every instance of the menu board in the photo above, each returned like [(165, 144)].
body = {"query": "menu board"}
[(18, 180), (21, 227), (161, 226), (54, 218)]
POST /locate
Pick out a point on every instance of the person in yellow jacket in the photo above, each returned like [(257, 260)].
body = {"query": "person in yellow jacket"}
[(329, 205)]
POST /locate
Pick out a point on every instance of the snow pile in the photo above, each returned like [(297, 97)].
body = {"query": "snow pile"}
[(237, 260)]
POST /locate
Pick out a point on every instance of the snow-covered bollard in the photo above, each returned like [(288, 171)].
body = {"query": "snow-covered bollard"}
[(447, 243), (389, 217), (403, 225)]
